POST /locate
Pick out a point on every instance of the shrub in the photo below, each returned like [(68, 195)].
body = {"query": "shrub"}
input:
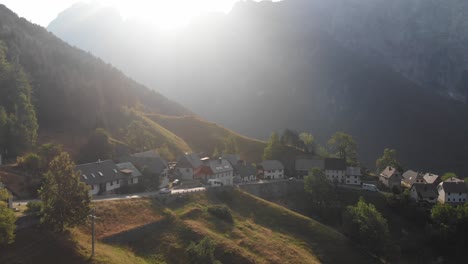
[(34, 207), (201, 253), (222, 212)]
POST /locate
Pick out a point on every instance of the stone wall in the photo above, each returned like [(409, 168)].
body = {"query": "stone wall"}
[(274, 189)]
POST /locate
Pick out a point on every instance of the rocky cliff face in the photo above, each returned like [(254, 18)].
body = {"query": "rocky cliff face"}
[(425, 40)]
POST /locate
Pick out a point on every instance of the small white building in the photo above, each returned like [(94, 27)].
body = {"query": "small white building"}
[(272, 169), (353, 176), (452, 191), (335, 170)]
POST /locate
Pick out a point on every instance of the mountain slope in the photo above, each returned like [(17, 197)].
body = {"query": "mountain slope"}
[(267, 66), (74, 93)]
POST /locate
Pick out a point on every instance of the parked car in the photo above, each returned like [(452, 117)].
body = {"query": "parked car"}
[(176, 182), (164, 191), (369, 187)]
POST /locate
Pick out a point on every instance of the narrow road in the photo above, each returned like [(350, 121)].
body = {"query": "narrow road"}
[(125, 196)]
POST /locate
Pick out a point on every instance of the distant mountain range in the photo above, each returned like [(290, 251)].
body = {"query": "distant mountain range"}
[(369, 68)]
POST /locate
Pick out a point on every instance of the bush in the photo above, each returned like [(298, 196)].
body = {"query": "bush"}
[(34, 207), (30, 162), (201, 253), (222, 212)]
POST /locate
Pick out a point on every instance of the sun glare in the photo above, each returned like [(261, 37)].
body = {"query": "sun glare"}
[(168, 14)]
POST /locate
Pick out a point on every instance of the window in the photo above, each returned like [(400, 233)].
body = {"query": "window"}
[(448, 200), (111, 183), (448, 193)]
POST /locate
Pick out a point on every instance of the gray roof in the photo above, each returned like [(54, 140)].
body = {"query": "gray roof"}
[(453, 186), (410, 177), (232, 158), (127, 167), (308, 164), (335, 164), (272, 165), (99, 172), (388, 172), (430, 178), (220, 166), (189, 160), (151, 165), (425, 190), (245, 170)]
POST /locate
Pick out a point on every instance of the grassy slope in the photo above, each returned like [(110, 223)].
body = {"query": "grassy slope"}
[(144, 231), (204, 136), (262, 232)]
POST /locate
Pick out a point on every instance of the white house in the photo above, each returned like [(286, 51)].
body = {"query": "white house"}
[(353, 175), (272, 169), (101, 176), (219, 170), (132, 174), (335, 170), (452, 191), (391, 177)]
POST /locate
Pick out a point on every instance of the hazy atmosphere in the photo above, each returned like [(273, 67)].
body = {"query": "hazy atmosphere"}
[(224, 131)]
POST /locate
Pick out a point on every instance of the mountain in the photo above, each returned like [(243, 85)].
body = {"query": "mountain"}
[(51, 91), (268, 66)]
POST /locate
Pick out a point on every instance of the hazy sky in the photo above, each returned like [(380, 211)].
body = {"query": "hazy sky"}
[(169, 13)]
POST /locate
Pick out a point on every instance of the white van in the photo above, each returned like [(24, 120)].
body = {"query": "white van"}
[(214, 183), (369, 187)]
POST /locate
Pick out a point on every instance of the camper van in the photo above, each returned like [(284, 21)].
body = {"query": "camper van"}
[(369, 187)]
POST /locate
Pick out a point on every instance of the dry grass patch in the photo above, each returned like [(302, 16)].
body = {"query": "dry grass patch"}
[(122, 215)]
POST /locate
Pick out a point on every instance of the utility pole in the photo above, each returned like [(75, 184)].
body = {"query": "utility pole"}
[(93, 217)]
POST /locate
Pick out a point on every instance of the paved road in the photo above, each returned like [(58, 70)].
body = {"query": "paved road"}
[(125, 196)]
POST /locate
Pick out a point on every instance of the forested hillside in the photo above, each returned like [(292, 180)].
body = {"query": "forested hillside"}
[(51, 91), (18, 123)]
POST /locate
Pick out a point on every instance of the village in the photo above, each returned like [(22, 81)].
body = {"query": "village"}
[(193, 170)]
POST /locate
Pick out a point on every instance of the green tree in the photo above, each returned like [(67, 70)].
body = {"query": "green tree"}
[(97, 147), (273, 149), (291, 138), (448, 175), (230, 145), (18, 122), (344, 146), (65, 198), (321, 190), (7, 220), (365, 225), (389, 158), (308, 141)]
